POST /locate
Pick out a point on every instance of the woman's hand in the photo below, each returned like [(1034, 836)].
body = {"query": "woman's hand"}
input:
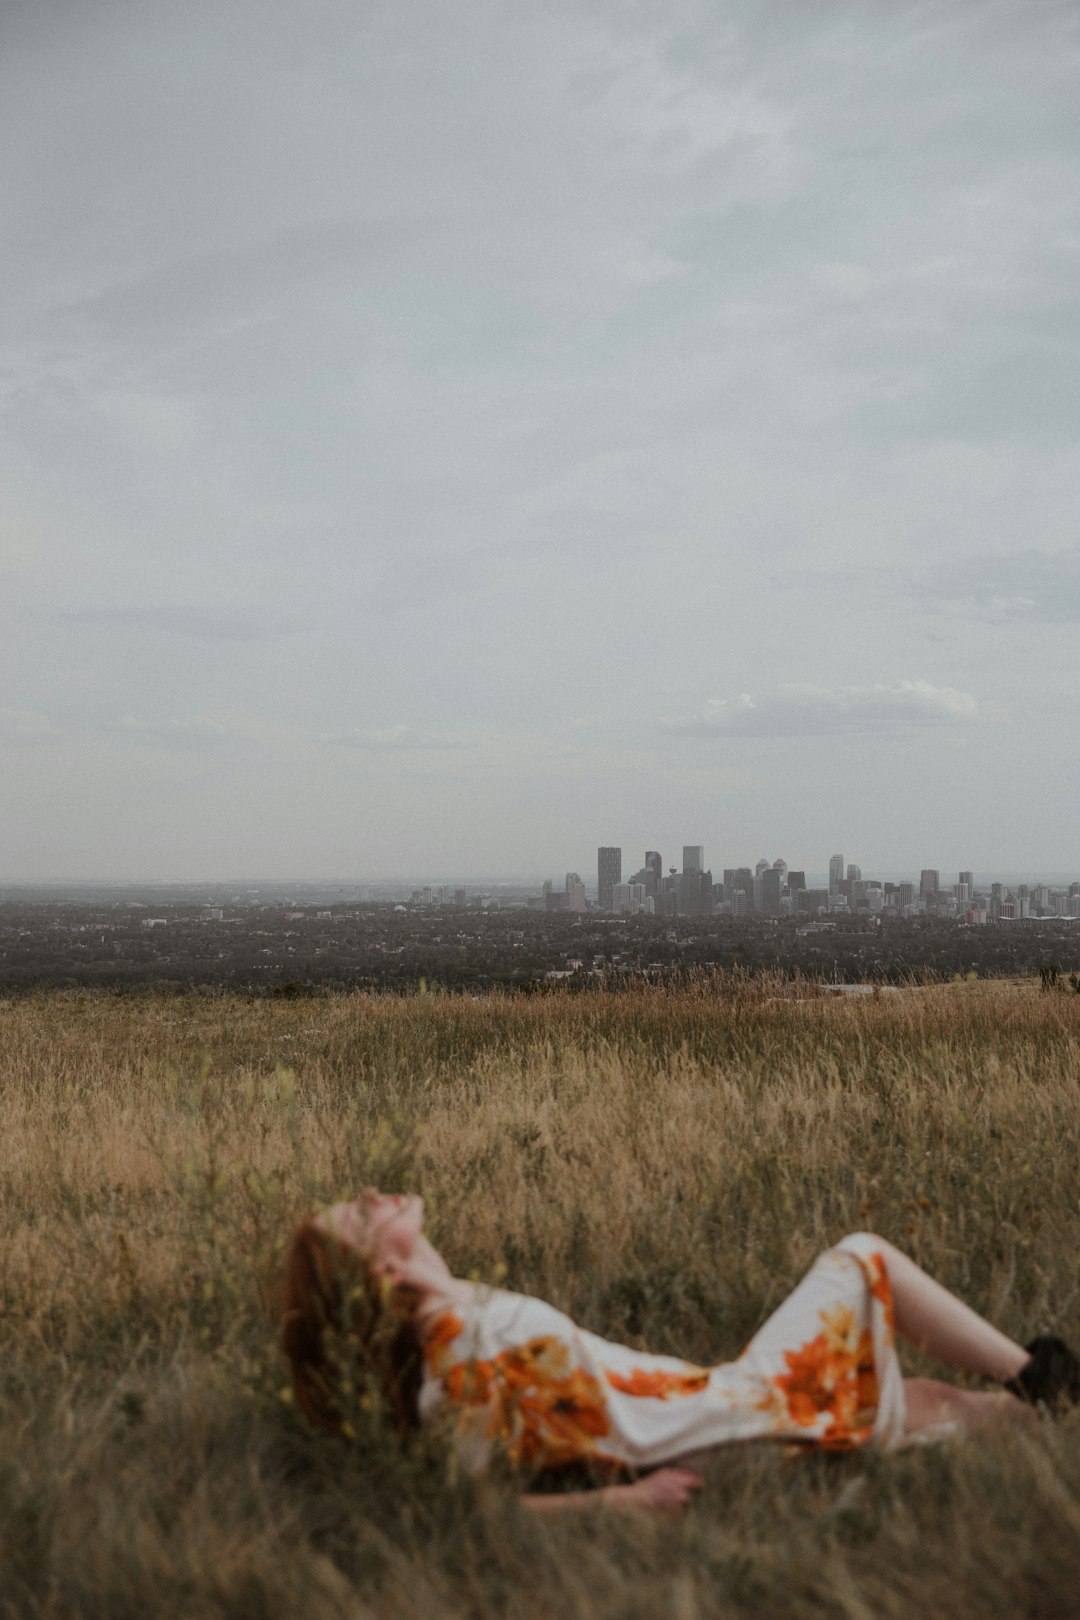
[(667, 1491)]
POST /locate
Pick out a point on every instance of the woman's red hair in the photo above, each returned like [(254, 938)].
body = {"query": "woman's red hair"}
[(343, 1327)]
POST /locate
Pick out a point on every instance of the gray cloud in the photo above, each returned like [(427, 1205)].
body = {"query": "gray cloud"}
[(203, 624), (394, 740), (31, 729), (1026, 586), (187, 735), (817, 711), (26, 728)]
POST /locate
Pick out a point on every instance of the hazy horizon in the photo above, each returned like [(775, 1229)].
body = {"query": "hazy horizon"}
[(814, 879), (444, 439)]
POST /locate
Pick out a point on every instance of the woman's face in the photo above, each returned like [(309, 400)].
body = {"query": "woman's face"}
[(383, 1227)]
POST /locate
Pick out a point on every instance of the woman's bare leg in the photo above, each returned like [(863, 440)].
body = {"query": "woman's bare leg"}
[(930, 1402), (943, 1326)]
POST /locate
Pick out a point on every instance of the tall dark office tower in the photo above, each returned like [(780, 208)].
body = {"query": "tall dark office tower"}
[(969, 879), (693, 857), (929, 881), (854, 872), (694, 894), (647, 878), (654, 864), (608, 873), (836, 874), (796, 881), (771, 885)]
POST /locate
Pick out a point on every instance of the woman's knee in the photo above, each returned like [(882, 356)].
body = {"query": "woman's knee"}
[(869, 1240)]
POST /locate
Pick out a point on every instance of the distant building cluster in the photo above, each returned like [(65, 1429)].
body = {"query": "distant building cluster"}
[(772, 889), (652, 891), (437, 894), (962, 900)]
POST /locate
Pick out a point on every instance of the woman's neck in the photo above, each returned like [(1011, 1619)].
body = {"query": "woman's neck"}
[(434, 1285)]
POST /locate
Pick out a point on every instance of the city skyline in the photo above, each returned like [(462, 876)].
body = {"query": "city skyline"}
[(774, 889)]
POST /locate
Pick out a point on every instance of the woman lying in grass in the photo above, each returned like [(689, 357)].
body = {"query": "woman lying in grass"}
[(367, 1295)]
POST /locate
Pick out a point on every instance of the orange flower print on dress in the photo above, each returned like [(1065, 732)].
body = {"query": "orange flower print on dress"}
[(440, 1335), (881, 1288), (545, 1412), (831, 1376), (658, 1384)]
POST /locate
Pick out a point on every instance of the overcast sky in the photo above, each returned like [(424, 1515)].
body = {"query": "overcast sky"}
[(440, 438)]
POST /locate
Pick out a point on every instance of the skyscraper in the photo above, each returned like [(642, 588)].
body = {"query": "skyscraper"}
[(693, 857), (836, 873), (654, 864), (608, 873), (694, 894), (647, 878), (738, 880), (929, 881)]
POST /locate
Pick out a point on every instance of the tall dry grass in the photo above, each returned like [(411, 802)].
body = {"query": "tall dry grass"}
[(662, 1164)]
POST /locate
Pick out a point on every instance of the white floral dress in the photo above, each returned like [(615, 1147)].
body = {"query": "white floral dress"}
[(511, 1373)]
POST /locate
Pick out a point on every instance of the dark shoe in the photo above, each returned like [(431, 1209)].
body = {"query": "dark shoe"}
[(1052, 1376)]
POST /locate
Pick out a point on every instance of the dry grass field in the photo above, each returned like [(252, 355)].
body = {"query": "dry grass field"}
[(662, 1164)]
